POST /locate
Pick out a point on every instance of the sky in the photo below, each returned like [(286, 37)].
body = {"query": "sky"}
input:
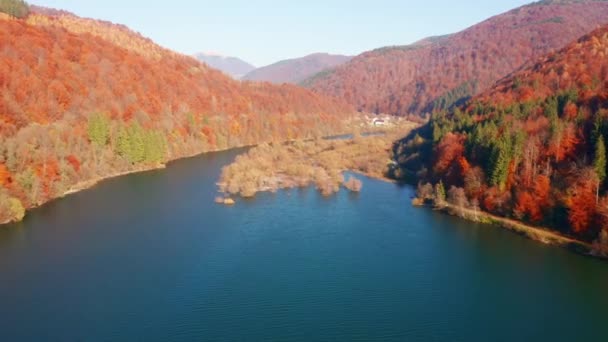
[(262, 32)]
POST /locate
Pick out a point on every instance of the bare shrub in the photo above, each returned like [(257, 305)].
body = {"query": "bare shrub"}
[(353, 184)]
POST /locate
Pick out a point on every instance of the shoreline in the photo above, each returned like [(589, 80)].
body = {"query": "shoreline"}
[(84, 185), (535, 233), (374, 177), (90, 183)]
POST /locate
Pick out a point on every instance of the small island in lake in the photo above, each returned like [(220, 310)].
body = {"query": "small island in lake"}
[(320, 162)]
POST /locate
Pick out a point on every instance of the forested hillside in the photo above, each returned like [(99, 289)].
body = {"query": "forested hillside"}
[(438, 72), (83, 100), (532, 148)]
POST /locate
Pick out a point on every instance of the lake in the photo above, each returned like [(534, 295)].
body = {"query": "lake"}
[(150, 257)]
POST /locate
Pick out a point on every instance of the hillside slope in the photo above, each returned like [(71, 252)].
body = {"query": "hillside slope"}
[(232, 66), (298, 69), (116, 34), (82, 100), (440, 71), (533, 147)]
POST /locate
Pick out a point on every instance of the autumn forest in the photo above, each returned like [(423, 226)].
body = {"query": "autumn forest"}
[(532, 148), (83, 99)]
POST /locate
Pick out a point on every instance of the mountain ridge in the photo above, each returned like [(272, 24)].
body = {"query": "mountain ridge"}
[(296, 70), (421, 78)]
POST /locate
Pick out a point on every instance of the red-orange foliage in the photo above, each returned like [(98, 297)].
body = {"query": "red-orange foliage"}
[(48, 173), (118, 35), (512, 169), (526, 205), (74, 162), (566, 145), (532, 204), (496, 201), (465, 167), (541, 145), (5, 175), (542, 191), (57, 71), (209, 135), (449, 156), (48, 71), (489, 200), (581, 205), (570, 111), (408, 79), (526, 94)]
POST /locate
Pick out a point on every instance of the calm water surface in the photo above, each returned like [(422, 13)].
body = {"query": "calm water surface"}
[(150, 257)]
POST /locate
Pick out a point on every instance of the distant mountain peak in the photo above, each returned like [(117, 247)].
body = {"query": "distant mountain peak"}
[(211, 54), (232, 66), (296, 70)]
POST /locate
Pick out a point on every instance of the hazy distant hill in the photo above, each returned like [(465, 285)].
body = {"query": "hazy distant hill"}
[(298, 69), (232, 66), (438, 72)]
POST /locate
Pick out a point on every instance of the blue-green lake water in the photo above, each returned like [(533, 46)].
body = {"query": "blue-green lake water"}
[(150, 257)]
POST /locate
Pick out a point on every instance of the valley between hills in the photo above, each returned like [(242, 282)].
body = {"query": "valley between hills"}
[(509, 116), (337, 171)]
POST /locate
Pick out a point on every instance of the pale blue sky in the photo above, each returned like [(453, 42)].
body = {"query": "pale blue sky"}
[(264, 31)]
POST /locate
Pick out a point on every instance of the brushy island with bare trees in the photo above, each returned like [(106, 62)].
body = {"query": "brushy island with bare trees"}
[(320, 162)]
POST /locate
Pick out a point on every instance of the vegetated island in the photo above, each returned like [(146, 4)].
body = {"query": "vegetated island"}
[(319, 162)]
